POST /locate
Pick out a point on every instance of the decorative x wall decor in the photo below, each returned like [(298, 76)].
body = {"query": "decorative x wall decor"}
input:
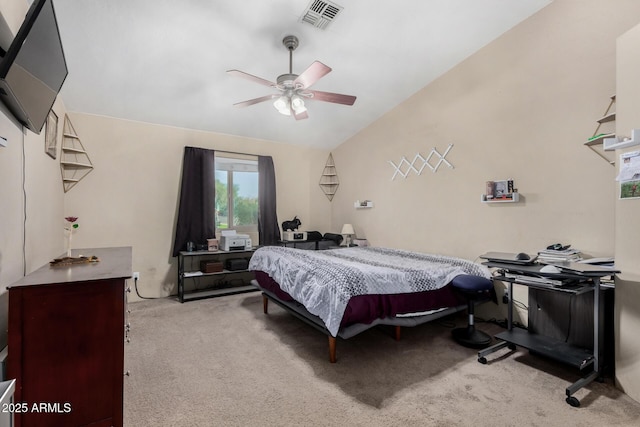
[(411, 166)]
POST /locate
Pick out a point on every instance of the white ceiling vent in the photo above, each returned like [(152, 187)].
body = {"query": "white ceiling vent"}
[(320, 13)]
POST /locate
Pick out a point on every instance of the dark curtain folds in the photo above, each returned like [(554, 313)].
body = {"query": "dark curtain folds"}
[(196, 214), (267, 219)]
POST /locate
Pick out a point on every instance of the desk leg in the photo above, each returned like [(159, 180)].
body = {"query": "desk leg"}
[(482, 354), (598, 330), (510, 308), (598, 326)]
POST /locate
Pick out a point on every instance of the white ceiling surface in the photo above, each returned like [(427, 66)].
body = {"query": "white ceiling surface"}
[(165, 61)]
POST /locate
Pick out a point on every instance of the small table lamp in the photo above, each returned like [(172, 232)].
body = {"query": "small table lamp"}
[(347, 230)]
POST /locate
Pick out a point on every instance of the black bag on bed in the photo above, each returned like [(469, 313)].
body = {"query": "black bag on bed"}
[(314, 236), (336, 238)]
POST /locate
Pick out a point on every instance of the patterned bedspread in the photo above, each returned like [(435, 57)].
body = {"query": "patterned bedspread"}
[(324, 281)]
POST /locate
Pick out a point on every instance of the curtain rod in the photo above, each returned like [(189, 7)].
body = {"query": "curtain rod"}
[(235, 152), (224, 151)]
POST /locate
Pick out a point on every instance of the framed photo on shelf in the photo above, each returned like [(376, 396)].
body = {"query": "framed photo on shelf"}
[(51, 135), (500, 188)]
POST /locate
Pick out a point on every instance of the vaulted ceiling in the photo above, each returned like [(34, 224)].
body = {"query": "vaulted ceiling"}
[(165, 61)]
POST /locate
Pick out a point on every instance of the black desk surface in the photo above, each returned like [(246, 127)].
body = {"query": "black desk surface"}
[(570, 270)]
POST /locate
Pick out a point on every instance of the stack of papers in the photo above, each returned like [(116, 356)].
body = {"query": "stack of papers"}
[(610, 261), (550, 256)]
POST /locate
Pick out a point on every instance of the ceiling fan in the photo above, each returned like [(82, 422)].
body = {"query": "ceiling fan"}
[(294, 88)]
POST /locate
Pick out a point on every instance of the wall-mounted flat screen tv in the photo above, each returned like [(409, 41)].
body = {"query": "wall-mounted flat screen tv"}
[(33, 68)]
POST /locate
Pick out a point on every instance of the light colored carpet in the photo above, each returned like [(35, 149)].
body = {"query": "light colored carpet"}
[(222, 362)]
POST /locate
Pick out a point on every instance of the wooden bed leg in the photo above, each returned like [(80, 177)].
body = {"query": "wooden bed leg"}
[(398, 332), (332, 349), (265, 304)]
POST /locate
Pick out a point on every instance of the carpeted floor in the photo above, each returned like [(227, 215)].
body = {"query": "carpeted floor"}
[(222, 362)]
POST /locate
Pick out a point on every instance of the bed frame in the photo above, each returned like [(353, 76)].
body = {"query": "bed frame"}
[(299, 311)]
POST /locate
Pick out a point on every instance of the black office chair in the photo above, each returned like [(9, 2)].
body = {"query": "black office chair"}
[(473, 288)]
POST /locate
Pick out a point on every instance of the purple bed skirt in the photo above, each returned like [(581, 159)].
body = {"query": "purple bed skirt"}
[(367, 308)]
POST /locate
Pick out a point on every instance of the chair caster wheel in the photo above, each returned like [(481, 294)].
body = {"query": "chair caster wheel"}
[(511, 347), (573, 401), (482, 360)]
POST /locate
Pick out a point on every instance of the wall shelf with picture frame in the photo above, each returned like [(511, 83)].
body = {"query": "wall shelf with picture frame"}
[(502, 191)]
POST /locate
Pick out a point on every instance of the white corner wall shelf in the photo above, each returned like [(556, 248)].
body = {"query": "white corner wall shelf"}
[(615, 143), (74, 160), (329, 179)]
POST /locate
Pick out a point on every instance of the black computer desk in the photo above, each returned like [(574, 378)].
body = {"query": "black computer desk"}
[(587, 279)]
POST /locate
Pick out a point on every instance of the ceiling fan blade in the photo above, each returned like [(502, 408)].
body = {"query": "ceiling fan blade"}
[(251, 77), (315, 72), (336, 98), (255, 100), (301, 116)]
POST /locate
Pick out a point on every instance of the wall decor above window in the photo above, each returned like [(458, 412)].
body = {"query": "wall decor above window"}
[(417, 165)]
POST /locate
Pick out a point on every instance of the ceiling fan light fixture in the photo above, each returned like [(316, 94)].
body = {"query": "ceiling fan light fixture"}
[(297, 103), (282, 105)]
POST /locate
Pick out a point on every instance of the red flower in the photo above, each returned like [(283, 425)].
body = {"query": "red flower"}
[(71, 218)]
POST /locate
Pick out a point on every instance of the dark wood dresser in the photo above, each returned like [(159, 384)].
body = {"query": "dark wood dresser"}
[(66, 341)]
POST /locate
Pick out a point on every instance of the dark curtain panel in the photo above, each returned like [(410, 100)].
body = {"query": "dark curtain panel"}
[(196, 214), (267, 219)]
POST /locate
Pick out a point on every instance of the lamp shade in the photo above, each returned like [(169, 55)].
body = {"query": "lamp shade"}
[(348, 229)]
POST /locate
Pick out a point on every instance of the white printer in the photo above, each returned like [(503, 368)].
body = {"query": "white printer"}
[(231, 241)]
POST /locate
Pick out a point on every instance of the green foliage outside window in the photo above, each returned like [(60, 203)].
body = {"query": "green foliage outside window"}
[(245, 209)]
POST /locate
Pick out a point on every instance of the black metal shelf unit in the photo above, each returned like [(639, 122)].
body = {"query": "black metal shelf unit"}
[(193, 284)]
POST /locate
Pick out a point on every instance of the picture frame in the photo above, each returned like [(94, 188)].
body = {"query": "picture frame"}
[(51, 135), (501, 188)]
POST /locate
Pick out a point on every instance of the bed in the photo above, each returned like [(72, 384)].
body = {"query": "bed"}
[(343, 292)]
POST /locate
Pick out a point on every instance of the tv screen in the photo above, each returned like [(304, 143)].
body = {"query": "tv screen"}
[(33, 69)]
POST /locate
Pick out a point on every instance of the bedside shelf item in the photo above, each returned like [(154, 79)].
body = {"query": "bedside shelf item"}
[(329, 179), (598, 142), (74, 160)]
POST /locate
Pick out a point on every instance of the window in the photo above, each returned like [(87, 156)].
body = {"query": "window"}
[(236, 192)]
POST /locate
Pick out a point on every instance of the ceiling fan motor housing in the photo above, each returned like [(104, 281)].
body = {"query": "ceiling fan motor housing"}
[(290, 42), (285, 81)]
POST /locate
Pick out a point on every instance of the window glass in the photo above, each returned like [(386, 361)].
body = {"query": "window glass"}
[(237, 193)]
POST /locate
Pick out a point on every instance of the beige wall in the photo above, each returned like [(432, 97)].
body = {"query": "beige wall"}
[(627, 313), (131, 196), (520, 108)]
